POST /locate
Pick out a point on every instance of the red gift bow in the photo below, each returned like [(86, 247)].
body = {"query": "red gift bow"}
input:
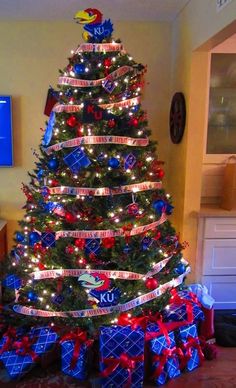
[(192, 343), (23, 347), (10, 338), (125, 361), (80, 338), (163, 357)]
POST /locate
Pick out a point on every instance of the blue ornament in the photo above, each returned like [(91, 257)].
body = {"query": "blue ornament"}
[(58, 299), (40, 174), (32, 296), (92, 246), (169, 209), (146, 243), (113, 163), (130, 161), (79, 68), (12, 281), (127, 249), (180, 269), (76, 160), (100, 157), (34, 237), (135, 108), (49, 206), (69, 93), (45, 193), (49, 130), (19, 237), (48, 239), (53, 164), (159, 206)]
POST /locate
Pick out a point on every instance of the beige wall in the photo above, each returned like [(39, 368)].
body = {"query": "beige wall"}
[(32, 52), (197, 29)]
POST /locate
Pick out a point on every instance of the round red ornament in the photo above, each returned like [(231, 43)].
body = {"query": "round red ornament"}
[(111, 123), (107, 62), (72, 121), (151, 283), (54, 182), (160, 173), (133, 209), (70, 249), (80, 243), (70, 217), (108, 242)]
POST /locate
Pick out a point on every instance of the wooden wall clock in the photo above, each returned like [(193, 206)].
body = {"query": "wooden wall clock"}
[(177, 117)]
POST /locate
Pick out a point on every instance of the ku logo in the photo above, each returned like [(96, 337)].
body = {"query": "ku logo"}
[(98, 31)]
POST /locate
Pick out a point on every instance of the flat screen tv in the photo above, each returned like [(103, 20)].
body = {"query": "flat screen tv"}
[(6, 143)]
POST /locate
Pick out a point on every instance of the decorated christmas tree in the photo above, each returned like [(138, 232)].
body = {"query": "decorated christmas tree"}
[(95, 248)]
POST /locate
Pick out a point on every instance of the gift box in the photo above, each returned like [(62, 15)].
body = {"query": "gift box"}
[(46, 339), (75, 353), (121, 356), (187, 339), (165, 363), (184, 307)]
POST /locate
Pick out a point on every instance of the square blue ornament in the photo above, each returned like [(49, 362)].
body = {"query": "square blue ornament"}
[(76, 160), (48, 239)]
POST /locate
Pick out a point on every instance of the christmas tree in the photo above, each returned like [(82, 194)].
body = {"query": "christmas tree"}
[(95, 246)]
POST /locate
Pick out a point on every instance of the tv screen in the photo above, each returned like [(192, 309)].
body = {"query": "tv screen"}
[(6, 151)]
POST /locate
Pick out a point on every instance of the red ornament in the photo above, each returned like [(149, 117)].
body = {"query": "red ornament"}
[(70, 249), (160, 173), (81, 261), (92, 256), (80, 243), (108, 242), (111, 123), (41, 266), (151, 283), (107, 62), (54, 182), (71, 218), (157, 235), (72, 121), (133, 122), (133, 209), (79, 130)]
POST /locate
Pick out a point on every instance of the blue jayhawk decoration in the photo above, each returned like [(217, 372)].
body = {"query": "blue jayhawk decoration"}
[(95, 28)]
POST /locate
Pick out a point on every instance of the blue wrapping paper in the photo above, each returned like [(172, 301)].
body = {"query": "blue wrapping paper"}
[(46, 339), (176, 312), (115, 341), (158, 346), (80, 369), (183, 335)]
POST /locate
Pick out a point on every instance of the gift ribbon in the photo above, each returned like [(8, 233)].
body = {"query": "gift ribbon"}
[(105, 310), (99, 47), (178, 300), (105, 191), (85, 83), (124, 361), (84, 140), (163, 357), (10, 337), (58, 108), (79, 337), (187, 348), (23, 348)]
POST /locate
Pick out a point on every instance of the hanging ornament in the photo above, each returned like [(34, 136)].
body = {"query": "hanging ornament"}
[(126, 249), (48, 239), (80, 243), (34, 237), (79, 68), (92, 246), (113, 162), (101, 157), (157, 236), (129, 161), (70, 249), (19, 237), (40, 174), (69, 92), (12, 281), (71, 218), (109, 85), (160, 173), (92, 281), (180, 269), (58, 299), (133, 122), (151, 283), (169, 208), (107, 62), (108, 242), (146, 243), (133, 208), (32, 296), (159, 206), (111, 123), (53, 164), (72, 121), (54, 183), (49, 130), (76, 160)]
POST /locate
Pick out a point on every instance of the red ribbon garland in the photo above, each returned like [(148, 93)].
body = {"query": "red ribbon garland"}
[(10, 336), (163, 357), (187, 348), (79, 337), (23, 347), (125, 361)]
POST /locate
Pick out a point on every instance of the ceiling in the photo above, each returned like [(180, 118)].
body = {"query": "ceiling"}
[(146, 10)]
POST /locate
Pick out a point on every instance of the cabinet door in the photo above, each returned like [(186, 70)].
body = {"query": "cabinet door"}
[(219, 257), (224, 227), (222, 289)]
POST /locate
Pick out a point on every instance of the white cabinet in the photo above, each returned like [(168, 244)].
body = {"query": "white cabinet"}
[(217, 257)]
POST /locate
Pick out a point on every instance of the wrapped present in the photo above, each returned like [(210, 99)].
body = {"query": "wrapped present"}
[(187, 339), (183, 306), (121, 356), (46, 339), (165, 362), (74, 354), (21, 359)]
